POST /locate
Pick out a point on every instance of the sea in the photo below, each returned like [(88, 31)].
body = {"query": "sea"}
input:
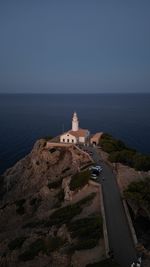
[(24, 118)]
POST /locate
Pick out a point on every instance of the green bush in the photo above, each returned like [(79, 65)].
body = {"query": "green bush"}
[(139, 192), (124, 156), (87, 228), (142, 162), (35, 203), (119, 152), (34, 224), (87, 231), (55, 184), (46, 246), (66, 169), (16, 243), (33, 250), (64, 215), (104, 263), (60, 196), (79, 180)]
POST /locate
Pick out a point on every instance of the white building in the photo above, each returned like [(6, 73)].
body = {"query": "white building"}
[(75, 135)]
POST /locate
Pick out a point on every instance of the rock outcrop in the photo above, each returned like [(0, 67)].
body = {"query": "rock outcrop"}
[(31, 192)]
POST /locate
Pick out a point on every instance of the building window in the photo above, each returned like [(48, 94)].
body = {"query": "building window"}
[(68, 140), (72, 141), (63, 140)]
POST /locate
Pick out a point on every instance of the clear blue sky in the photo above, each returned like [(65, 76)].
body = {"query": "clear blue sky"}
[(74, 46)]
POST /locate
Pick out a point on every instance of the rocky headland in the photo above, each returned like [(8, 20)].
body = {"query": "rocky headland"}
[(43, 221)]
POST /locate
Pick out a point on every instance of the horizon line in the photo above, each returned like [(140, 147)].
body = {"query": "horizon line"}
[(68, 93)]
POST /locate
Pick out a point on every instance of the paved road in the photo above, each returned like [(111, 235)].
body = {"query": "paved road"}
[(119, 234)]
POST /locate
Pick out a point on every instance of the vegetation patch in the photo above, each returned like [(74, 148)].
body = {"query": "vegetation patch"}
[(52, 150), (119, 152), (88, 231), (16, 243), (60, 196), (105, 263), (62, 215), (66, 169), (90, 226), (45, 246), (79, 180), (55, 184), (35, 203), (34, 224), (20, 209), (139, 192)]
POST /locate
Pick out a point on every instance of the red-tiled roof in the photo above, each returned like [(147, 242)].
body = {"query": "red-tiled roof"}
[(79, 133)]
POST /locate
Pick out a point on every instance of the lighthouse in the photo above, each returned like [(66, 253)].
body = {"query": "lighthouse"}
[(76, 135), (75, 122)]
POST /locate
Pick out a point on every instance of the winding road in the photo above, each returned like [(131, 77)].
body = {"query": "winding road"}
[(119, 234)]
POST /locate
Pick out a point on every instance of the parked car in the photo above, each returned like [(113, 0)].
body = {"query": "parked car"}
[(95, 171), (93, 176), (98, 168)]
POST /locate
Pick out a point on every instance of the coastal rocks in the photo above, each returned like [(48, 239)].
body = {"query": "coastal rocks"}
[(67, 192)]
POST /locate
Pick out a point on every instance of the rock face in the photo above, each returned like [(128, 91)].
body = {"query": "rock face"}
[(30, 192)]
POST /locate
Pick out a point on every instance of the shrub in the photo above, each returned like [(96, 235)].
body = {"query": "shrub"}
[(104, 263), (66, 169), (16, 243), (139, 192), (53, 243), (119, 152), (55, 184), (142, 162), (52, 150), (91, 227), (33, 250), (35, 202), (34, 224), (125, 156), (60, 196), (88, 231), (64, 215), (79, 180), (46, 246)]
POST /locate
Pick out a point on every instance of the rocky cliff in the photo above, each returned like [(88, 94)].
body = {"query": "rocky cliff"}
[(37, 224)]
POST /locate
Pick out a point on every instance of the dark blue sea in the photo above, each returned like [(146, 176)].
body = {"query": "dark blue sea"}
[(26, 117)]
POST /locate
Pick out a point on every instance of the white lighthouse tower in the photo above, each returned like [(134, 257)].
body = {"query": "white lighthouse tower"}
[(75, 122)]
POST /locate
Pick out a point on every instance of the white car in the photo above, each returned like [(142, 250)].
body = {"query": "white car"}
[(94, 176), (98, 168)]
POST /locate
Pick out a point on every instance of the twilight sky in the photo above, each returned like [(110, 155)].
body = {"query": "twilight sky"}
[(76, 46)]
